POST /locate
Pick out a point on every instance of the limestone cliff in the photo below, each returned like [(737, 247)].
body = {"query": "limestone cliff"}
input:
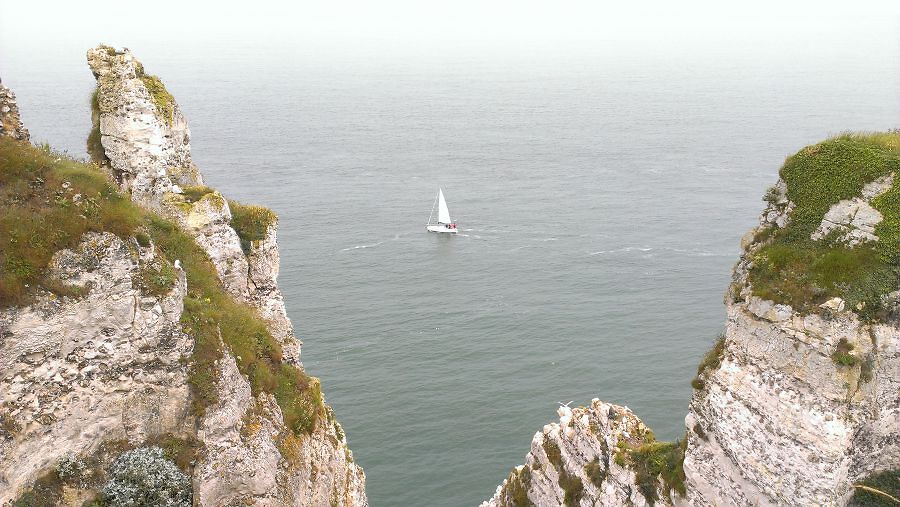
[(10, 123), (799, 400), (165, 327)]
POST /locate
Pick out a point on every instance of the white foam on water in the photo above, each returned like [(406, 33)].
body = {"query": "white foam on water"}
[(359, 247)]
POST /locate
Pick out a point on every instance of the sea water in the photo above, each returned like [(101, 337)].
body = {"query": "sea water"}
[(600, 195)]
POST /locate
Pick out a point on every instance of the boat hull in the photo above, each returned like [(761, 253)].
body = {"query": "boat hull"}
[(440, 229)]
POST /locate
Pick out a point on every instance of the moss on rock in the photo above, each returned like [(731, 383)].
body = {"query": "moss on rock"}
[(795, 270), (711, 361), (251, 223), (162, 99), (41, 216)]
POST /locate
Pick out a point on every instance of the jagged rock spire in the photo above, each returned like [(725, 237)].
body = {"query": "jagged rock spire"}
[(142, 130)]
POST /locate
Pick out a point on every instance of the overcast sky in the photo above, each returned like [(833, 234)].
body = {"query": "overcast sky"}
[(83, 23)]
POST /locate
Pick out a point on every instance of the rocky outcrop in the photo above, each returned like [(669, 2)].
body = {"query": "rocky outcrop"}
[(148, 145), (110, 360), (584, 459), (854, 220), (105, 365), (142, 130), (789, 408), (801, 406), (149, 151), (10, 123)]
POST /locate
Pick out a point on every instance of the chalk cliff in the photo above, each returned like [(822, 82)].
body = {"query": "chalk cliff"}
[(163, 327), (798, 402), (10, 123)]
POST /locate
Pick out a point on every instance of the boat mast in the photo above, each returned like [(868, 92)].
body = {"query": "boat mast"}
[(432, 209)]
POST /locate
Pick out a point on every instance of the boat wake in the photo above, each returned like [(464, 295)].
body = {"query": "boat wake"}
[(651, 251), (359, 247)]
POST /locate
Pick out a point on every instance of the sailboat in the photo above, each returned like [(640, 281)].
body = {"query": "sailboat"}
[(444, 223)]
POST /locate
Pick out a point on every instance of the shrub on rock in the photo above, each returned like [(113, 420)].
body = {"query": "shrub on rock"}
[(144, 478)]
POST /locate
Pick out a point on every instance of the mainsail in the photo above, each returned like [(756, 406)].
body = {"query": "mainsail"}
[(443, 212)]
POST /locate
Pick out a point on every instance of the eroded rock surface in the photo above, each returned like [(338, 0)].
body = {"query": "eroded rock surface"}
[(575, 460), (10, 123), (78, 371), (109, 362), (794, 409), (154, 163), (854, 220)]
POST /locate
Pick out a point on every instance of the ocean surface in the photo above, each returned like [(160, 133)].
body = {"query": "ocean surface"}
[(600, 197)]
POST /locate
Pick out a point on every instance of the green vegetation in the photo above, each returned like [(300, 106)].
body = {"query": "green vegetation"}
[(162, 99), (842, 355), (515, 491), (251, 223), (711, 361), (142, 238), (46, 490), (41, 216), (573, 488), (8, 425), (879, 489), (144, 477), (156, 278), (94, 146), (554, 455), (210, 314), (195, 193), (651, 461), (771, 196), (795, 270), (597, 471)]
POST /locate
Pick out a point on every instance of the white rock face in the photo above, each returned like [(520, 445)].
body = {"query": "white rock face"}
[(148, 152), (778, 422), (250, 455), (151, 156), (785, 421), (586, 439), (778, 211), (105, 366), (10, 123), (855, 219)]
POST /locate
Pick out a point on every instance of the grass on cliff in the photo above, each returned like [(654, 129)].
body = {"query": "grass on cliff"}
[(515, 491), (87, 473), (795, 270), (94, 146), (250, 222), (571, 484), (162, 99), (41, 215), (711, 361), (48, 202), (653, 460), (878, 489)]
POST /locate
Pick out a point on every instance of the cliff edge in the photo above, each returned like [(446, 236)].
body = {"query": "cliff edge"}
[(798, 402), (144, 344)]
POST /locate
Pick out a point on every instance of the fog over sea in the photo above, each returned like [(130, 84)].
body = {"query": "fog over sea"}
[(600, 193)]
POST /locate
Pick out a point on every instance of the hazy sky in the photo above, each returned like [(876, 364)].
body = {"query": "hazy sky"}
[(401, 23)]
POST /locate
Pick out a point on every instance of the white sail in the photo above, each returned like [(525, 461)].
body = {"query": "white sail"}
[(443, 212)]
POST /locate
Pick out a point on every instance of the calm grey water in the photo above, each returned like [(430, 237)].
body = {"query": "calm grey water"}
[(601, 198)]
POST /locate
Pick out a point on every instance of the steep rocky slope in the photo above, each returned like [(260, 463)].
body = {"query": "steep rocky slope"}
[(799, 401), (10, 123), (158, 323)]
